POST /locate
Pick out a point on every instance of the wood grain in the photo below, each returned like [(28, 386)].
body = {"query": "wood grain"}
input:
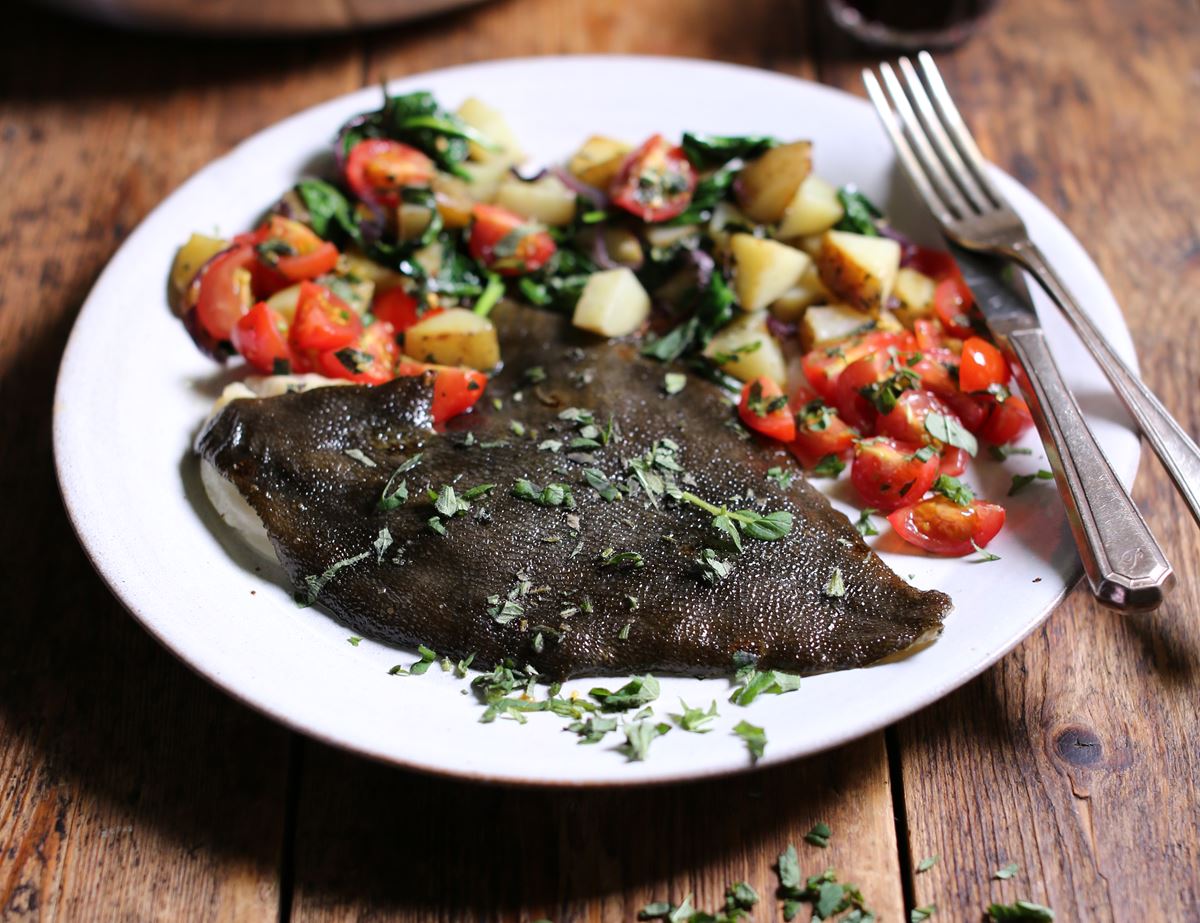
[(131, 790), (1077, 757)]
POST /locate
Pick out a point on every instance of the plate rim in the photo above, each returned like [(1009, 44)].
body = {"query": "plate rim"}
[(109, 574)]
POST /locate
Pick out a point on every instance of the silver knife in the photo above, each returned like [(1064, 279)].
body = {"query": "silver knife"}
[(1123, 562)]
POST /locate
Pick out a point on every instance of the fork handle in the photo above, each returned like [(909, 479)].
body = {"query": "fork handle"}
[(1124, 565), (1174, 447)]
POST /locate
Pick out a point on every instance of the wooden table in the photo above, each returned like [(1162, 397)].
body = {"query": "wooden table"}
[(132, 790)]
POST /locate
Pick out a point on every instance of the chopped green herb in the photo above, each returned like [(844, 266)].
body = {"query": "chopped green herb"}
[(755, 738), (927, 863), (835, 586), (1021, 481), (427, 658), (674, 382), (395, 494), (551, 495), (1020, 912), (639, 736), (720, 358), (314, 584), (885, 394), (921, 914), (708, 151), (359, 456), (781, 477), (984, 554), (383, 541), (754, 683), (829, 467), (612, 558), (713, 568), (602, 484), (695, 719), (860, 212), (953, 489), (623, 634), (947, 429), (864, 524), (639, 691), (354, 641), (1001, 452), (819, 835), (763, 526), (517, 428), (534, 375), (758, 404), (1006, 872), (593, 729)]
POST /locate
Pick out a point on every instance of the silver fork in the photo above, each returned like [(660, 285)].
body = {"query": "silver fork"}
[(1124, 564), (950, 175)]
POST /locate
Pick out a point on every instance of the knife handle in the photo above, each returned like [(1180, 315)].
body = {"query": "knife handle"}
[(1123, 562)]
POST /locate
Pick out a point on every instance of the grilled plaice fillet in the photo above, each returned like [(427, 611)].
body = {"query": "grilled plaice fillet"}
[(546, 585)]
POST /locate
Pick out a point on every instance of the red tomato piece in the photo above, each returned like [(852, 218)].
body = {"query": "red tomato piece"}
[(823, 365), (852, 405), (820, 432), (953, 461), (764, 409), (937, 368), (506, 242), (221, 293), (377, 170), (942, 526), (1009, 420), (889, 474), (399, 308), (261, 337), (369, 361), (323, 322), (655, 182), (928, 333), (981, 366), (906, 421), (455, 390), (952, 302), (937, 264)]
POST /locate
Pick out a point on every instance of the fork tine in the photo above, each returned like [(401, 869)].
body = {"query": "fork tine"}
[(920, 143), (957, 128), (908, 159), (934, 129)]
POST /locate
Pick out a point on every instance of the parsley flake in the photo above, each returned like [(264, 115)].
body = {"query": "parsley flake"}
[(1020, 912), (1006, 872), (755, 738), (694, 720), (947, 429), (819, 835), (953, 489), (864, 524), (1021, 481), (835, 586), (927, 863)]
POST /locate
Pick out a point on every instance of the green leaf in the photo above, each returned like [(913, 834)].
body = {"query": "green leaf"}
[(835, 586), (708, 151), (1021, 481), (864, 524), (1001, 452), (755, 738), (819, 835), (1006, 872), (789, 869), (695, 719), (354, 640), (638, 738), (920, 914), (1021, 912), (927, 863), (947, 429), (383, 541), (639, 691), (984, 555), (781, 477), (314, 584), (830, 896), (593, 729), (953, 489), (767, 682), (828, 467), (674, 382), (860, 214), (768, 528), (330, 214), (395, 494)]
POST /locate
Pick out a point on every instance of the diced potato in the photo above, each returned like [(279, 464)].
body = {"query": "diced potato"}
[(791, 305), (356, 292), (490, 123), (355, 263), (765, 269), (613, 304), (914, 290), (284, 301), (888, 322), (814, 208), (412, 220), (859, 270), (623, 246), (825, 324), (454, 337), (198, 250), (665, 236), (454, 200), (768, 184), (485, 178), (598, 161), (547, 200), (748, 350), (810, 244)]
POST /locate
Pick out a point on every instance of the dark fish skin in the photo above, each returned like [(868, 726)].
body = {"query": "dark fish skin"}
[(287, 456)]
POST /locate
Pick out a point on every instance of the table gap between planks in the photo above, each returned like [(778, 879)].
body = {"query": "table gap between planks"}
[(132, 790)]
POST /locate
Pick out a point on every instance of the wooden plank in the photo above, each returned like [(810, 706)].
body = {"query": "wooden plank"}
[(391, 845), (1076, 757), (129, 788)]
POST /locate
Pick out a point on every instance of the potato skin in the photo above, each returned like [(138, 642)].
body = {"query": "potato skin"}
[(454, 337), (858, 270)]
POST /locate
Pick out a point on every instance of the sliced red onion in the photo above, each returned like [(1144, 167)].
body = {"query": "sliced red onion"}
[(339, 144), (599, 252), (781, 330), (580, 188), (704, 265), (908, 249)]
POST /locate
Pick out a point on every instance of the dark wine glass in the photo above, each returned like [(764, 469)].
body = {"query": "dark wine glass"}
[(909, 25)]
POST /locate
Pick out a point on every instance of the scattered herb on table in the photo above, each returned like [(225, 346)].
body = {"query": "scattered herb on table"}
[(819, 835), (1005, 872), (1021, 481), (921, 914), (927, 863), (1020, 912), (755, 738)]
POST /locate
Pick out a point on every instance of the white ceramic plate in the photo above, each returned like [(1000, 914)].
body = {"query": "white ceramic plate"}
[(133, 390)]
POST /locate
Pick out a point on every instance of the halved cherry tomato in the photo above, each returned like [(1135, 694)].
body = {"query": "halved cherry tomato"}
[(369, 361), (261, 337), (323, 322), (906, 421), (823, 365), (937, 264), (852, 405), (506, 242), (971, 409), (942, 526), (936, 367), (377, 170), (455, 390), (820, 432), (1009, 419), (221, 293), (889, 474), (981, 366), (655, 182), (399, 308), (952, 301), (764, 409), (928, 333), (293, 249), (953, 461)]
